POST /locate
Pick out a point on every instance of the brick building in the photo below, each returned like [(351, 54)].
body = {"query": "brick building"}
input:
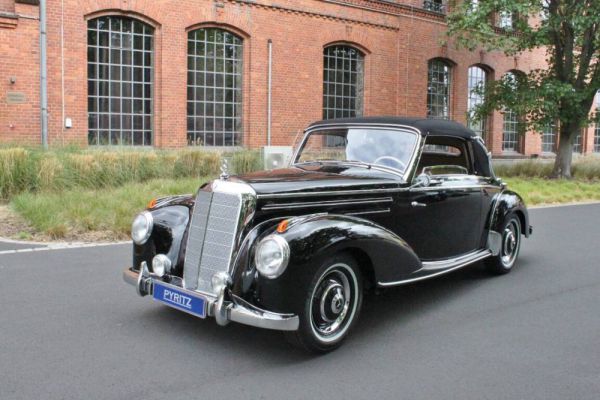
[(195, 72)]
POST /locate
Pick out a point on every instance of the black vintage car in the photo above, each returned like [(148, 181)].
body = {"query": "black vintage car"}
[(366, 203)]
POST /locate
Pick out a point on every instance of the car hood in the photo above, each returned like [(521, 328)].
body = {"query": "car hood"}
[(318, 178)]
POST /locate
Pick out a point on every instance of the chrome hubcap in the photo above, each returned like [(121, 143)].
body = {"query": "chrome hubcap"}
[(333, 302), (510, 243)]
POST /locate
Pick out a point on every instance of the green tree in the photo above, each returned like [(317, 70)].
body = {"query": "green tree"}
[(568, 32)]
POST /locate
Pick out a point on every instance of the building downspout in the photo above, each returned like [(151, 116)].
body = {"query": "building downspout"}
[(43, 75), (269, 81)]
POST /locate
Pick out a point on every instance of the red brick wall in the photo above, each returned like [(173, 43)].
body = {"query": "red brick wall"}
[(19, 60), (398, 41), (7, 6)]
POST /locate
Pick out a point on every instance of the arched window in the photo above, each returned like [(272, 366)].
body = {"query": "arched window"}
[(477, 79), (438, 89), (214, 88), (510, 134), (343, 77), (120, 59)]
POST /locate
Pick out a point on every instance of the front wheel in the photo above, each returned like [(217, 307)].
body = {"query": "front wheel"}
[(331, 306), (510, 246)]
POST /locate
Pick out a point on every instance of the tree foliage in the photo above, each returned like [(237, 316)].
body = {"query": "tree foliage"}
[(568, 31)]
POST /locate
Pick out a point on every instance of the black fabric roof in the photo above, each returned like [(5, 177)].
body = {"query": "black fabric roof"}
[(427, 126)]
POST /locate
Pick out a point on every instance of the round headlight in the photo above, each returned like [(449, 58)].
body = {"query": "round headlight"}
[(141, 227), (272, 256), (160, 264)]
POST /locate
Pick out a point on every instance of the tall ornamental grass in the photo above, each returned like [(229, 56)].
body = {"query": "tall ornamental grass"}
[(26, 170), (584, 168), (31, 170)]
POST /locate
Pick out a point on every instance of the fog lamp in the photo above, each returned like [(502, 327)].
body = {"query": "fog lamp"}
[(161, 264)]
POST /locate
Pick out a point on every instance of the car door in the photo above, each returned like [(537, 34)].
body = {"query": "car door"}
[(443, 219)]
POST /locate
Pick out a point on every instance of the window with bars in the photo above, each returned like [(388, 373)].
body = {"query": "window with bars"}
[(477, 79), (437, 6), (549, 138), (214, 88), (438, 89), (578, 143), (597, 138), (505, 20), (510, 134), (120, 75), (343, 80)]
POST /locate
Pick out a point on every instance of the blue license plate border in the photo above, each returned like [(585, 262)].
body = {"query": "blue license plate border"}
[(177, 298)]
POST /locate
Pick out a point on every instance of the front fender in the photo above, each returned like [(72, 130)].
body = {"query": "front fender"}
[(167, 237), (507, 202), (312, 239)]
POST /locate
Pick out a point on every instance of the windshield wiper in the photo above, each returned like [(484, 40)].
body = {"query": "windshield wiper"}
[(318, 161)]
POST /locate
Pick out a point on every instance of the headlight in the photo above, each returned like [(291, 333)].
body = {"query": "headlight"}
[(272, 256), (141, 227), (160, 264)]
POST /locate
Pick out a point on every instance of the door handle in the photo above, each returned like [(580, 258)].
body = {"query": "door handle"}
[(417, 204)]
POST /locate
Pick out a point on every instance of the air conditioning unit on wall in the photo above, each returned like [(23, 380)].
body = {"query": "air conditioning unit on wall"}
[(276, 156)]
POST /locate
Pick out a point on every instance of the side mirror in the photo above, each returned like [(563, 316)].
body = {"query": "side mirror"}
[(422, 180)]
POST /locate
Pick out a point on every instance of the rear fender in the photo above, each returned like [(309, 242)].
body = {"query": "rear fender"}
[(505, 203)]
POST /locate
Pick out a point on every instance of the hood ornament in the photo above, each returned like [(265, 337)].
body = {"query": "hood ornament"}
[(224, 170)]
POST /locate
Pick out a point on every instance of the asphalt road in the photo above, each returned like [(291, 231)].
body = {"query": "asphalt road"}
[(70, 328)]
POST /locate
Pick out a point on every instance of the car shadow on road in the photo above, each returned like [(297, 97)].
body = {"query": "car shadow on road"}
[(394, 306)]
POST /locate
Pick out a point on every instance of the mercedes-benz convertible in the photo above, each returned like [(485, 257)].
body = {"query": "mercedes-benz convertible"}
[(365, 203)]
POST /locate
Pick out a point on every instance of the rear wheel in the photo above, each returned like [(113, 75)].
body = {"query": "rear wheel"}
[(509, 249), (331, 306)]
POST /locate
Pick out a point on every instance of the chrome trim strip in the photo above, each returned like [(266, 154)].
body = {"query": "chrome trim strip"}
[(464, 261), (326, 203), (331, 193), (367, 191), (386, 210), (442, 187)]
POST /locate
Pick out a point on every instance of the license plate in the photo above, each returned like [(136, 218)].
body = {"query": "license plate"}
[(191, 303)]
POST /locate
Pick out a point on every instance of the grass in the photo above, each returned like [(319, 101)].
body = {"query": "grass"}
[(69, 192), (584, 168), (25, 170), (537, 191), (73, 212)]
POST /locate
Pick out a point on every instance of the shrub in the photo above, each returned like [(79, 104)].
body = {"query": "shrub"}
[(245, 161), (196, 163), (18, 171), (586, 168)]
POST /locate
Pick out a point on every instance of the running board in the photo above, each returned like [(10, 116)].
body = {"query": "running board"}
[(436, 268)]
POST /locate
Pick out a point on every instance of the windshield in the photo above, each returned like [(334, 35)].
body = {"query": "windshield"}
[(374, 146)]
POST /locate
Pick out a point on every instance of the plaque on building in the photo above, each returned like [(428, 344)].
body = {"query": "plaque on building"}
[(15, 98)]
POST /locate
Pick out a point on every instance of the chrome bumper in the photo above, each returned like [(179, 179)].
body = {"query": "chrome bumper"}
[(236, 309)]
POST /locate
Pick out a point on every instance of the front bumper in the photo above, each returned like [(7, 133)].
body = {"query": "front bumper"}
[(224, 307)]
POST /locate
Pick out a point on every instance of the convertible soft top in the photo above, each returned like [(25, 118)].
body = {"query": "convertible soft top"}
[(427, 126)]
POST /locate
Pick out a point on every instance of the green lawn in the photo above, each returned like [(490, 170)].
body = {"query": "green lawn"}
[(70, 213), (537, 191)]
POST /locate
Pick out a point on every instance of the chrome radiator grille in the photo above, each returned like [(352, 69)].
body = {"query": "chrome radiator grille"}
[(212, 238)]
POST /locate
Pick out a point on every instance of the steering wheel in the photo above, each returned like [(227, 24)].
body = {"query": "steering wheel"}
[(394, 159)]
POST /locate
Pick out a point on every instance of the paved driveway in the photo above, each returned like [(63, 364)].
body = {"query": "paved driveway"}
[(71, 329)]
